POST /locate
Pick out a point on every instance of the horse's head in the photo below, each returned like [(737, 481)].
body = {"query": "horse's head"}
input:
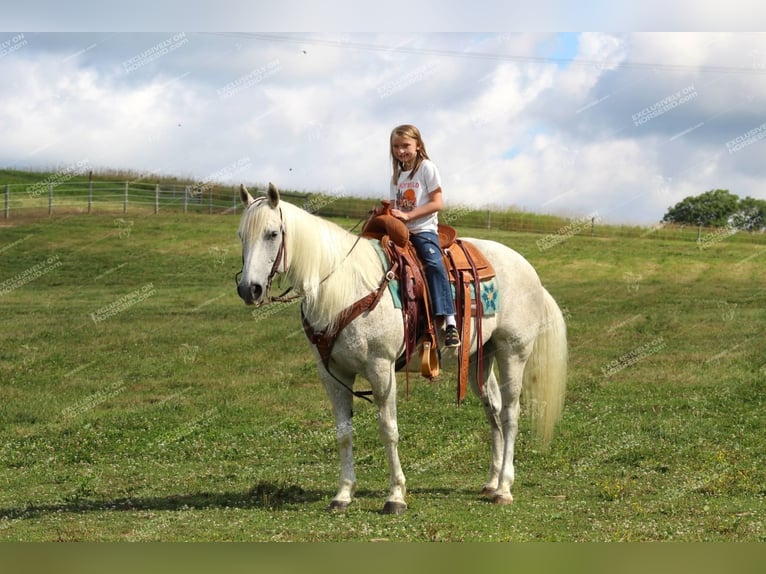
[(262, 233)]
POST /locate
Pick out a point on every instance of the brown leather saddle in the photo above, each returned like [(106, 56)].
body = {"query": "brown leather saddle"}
[(466, 267)]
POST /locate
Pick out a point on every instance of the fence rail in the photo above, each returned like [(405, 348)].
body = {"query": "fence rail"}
[(51, 197), (24, 201)]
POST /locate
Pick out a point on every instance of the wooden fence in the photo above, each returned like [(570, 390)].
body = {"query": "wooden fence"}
[(53, 198), (48, 197)]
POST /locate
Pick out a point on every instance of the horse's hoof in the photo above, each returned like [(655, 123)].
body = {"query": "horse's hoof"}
[(338, 505), (488, 491), (392, 507), (502, 499)]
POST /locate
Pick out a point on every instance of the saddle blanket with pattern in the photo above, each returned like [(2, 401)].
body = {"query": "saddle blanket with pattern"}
[(490, 295)]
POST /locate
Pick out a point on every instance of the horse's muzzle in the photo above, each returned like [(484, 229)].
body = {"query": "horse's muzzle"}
[(251, 293)]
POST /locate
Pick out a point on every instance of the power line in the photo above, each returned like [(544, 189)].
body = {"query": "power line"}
[(304, 40)]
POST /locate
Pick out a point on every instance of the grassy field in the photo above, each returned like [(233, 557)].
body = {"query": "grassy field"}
[(140, 400)]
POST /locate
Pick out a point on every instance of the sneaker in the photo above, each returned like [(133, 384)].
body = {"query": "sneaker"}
[(451, 338)]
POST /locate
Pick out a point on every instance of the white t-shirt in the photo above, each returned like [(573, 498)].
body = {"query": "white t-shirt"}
[(412, 192)]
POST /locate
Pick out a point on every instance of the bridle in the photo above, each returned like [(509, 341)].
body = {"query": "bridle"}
[(282, 254), (280, 258)]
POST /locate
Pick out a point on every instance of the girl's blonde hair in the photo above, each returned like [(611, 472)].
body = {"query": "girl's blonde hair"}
[(409, 131)]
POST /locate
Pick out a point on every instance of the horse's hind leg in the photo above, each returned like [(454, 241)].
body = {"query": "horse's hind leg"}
[(341, 400), (511, 368), (491, 401)]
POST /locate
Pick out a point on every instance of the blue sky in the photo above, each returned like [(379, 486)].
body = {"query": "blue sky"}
[(562, 47), (617, 124)]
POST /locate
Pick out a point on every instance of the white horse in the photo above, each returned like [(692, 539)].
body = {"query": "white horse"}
[(332, 269)]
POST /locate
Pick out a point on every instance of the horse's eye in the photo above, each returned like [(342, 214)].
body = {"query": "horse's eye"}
[(272, 235)]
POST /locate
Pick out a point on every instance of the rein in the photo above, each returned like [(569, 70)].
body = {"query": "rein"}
[(323, 340), (281, 254)]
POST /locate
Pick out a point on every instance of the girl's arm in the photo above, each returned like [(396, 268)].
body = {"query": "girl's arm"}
[(434, 204)]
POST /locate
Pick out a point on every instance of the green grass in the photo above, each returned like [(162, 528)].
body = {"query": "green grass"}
[(184, 416)]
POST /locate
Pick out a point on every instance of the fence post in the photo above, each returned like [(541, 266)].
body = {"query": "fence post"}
[(50, 198), (7, 200), (186, 197), (125, 199), (234, 198), (210, 201), (90, 190), (156, 198)]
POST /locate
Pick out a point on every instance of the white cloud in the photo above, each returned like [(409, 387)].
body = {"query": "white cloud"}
[(315, 113), (59, 113)]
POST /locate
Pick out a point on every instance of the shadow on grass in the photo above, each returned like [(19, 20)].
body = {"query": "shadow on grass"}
[(264, 495)]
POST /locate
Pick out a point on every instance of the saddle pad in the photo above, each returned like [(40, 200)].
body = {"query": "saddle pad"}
[(393, 286), (490, 296)]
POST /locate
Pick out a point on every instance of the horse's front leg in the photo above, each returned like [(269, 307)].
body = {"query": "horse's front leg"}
[(341, 400), (383, 383)]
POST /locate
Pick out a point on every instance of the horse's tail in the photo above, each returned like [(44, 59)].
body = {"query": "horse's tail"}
[(545, 374)]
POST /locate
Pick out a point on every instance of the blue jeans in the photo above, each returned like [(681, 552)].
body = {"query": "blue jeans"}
[(427, 246)]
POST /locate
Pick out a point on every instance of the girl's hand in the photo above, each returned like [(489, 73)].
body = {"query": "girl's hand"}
[(400, 215)]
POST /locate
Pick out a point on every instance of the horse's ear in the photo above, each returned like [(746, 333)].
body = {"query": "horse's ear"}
[(247, 199), (273, 195)]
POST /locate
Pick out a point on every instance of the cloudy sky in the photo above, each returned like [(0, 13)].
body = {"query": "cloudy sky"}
[(621, 125)]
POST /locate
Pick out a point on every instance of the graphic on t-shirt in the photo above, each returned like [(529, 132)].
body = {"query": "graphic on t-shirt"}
[(406, 200)]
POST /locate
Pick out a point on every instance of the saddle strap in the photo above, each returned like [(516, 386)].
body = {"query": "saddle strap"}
[(463, 318), (462, 300), (479, 318), (415, 300), (465, 336), (325, 340), (429, 359), (416, 311)]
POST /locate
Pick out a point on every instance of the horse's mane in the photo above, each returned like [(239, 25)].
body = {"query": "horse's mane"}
[(326, 262)]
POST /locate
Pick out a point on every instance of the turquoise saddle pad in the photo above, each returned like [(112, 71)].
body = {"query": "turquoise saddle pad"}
[(490, 295)]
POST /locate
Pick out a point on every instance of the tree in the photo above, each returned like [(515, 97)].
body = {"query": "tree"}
[(750, 214), (712, 208)]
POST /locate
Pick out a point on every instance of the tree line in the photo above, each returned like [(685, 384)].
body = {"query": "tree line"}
[(719, 208)]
